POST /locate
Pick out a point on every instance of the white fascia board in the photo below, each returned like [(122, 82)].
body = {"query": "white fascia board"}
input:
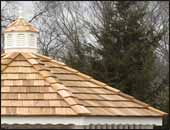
[(81, 120)]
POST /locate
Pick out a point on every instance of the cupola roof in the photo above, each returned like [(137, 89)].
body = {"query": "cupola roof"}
[(20, 25)]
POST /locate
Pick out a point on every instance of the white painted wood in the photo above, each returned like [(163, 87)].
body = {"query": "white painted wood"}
[(142, 126), (131, 126), (20, 42), (148, 127), (81, 120), (137, 127), (98, 126), (78, 127), (109, 127), (126, 126), (86, 127), (104, 126), (92, 126), (114, 126), (34, 50), (120, 126)]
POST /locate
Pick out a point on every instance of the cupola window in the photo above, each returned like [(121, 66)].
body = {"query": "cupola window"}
[(20, 39), (9, 40), (20, 36), (31, 40)]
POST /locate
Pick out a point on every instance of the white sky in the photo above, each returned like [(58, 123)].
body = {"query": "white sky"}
[(27, 7)]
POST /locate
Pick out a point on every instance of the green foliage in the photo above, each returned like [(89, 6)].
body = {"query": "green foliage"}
[(125, 58), (127, 49)]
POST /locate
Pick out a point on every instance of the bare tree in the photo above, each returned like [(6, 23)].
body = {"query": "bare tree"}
[(158, 16), (60, 28), (8, 14)]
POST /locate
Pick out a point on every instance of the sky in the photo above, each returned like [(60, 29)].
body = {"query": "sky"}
[(27, 8)]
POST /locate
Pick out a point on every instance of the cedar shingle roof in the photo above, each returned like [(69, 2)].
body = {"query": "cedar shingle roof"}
[(33, 84), (20, 25)]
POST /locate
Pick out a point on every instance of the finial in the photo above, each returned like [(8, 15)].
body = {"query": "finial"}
[(20, 12)]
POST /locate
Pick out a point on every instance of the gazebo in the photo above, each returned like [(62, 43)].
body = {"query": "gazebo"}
[(40, 92)]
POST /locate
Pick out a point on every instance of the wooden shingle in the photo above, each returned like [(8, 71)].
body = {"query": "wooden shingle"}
[(36, 85)]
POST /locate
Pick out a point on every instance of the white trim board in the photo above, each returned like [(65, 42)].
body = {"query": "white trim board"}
[(81, 120)]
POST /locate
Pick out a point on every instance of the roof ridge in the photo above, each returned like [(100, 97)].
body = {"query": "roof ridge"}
[(56, 84), (104, 85), (10, 57)]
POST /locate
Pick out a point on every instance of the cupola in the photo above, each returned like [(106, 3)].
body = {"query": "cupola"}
[(20, 36)]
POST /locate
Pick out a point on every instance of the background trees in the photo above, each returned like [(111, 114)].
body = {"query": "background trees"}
[(8, 14), (125, 44)]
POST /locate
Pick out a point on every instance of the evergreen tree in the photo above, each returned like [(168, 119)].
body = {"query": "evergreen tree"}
[(128, 46), (125, 57)]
